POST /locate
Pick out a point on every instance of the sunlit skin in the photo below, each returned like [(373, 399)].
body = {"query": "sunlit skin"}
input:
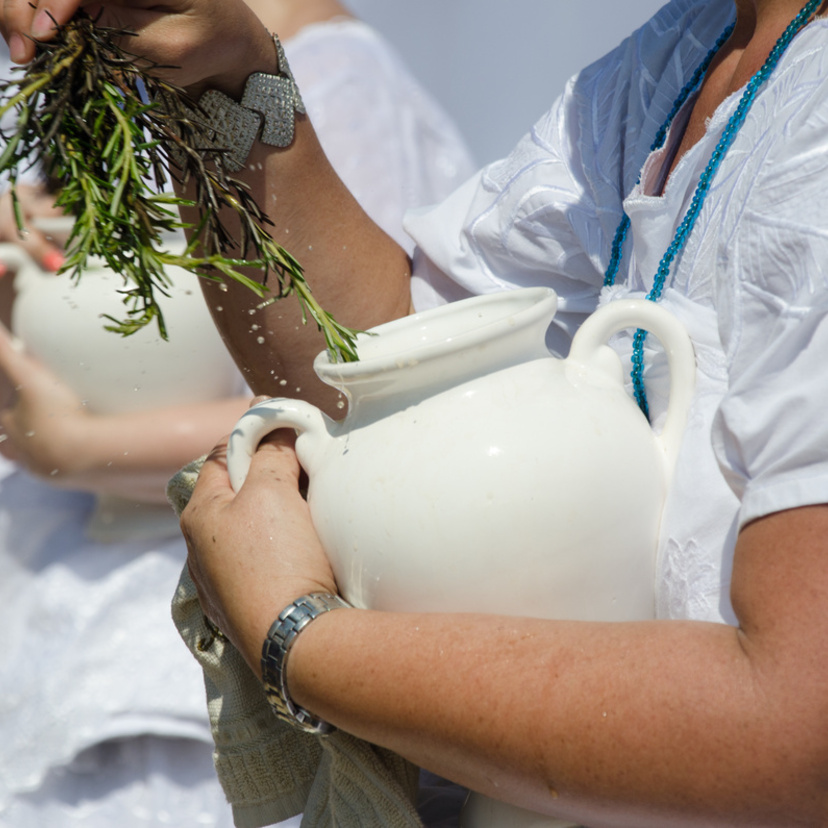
[(647, 724)]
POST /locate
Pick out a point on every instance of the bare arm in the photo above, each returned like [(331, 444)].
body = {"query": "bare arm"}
[(648, 724), (356, 271), (46, 428)]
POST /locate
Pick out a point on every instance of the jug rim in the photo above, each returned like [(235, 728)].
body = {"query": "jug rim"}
[(419, 334)]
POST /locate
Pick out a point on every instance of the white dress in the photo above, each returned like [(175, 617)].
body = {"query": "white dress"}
[(751, 285), (102, 710)]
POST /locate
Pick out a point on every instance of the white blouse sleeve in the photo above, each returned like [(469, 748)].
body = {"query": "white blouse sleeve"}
[(771, 430)]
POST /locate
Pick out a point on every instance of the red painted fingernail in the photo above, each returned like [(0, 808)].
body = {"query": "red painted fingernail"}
[(53, 261), (3, 270)]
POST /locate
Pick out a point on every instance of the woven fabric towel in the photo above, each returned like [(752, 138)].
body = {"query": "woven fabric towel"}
[(269, 770)]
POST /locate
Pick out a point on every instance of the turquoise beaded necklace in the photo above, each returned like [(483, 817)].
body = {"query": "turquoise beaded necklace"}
[(689, 220)]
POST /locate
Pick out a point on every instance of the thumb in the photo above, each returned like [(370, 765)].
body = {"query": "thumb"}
[(13, 360), (274, 462)]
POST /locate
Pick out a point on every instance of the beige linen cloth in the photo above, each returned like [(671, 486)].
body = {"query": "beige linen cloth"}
[(270, 771)]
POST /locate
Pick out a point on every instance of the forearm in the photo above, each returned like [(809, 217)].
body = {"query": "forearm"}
[(135, 454), (522, 710), (656, 723), (354, 269)]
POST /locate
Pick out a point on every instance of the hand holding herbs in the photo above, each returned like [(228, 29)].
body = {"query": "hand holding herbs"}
[(108, 135)]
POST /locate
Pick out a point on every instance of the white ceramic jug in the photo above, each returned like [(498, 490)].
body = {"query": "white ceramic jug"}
[(61, 322), (474, 471)]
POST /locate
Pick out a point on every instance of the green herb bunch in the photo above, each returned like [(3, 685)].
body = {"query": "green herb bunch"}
[(109, 134)]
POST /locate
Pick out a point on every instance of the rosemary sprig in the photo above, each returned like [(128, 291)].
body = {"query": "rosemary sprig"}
[(109, 134)]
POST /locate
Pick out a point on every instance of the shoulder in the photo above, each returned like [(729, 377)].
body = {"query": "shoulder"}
[(620, 101)]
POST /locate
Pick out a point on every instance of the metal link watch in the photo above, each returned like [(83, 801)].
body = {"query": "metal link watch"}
[(276, 648), (267, 112)]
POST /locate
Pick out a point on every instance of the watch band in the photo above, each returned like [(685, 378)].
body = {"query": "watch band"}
[(276, 648), (267, 111)]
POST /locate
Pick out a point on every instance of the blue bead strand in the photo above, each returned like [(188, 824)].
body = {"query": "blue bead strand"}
[(705, 180), (661, 136)]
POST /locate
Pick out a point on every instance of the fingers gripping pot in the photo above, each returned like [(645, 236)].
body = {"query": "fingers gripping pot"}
[(476, 472)]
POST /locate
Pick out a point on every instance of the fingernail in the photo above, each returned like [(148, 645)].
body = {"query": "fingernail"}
[(3, 270), (53, 261), (17, 48), (42, 25)]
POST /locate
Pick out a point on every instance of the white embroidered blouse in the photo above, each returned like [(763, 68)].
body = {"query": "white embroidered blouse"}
[(751, 285)]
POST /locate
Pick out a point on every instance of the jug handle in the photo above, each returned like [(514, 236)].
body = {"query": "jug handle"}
[(258, 421), (642, 313)]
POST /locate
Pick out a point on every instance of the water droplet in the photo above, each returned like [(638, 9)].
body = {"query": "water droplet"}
[(54, 472), (30, 434), (223, 286), (282, 382), (254, 327), (219, 308), (340, 405), (260, 340)]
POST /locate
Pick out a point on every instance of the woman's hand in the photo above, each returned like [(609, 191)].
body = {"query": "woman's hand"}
[(253, 552), (43, 421), (205, 43)]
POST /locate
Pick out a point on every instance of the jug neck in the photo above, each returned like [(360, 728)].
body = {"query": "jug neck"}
[(420, 355)]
